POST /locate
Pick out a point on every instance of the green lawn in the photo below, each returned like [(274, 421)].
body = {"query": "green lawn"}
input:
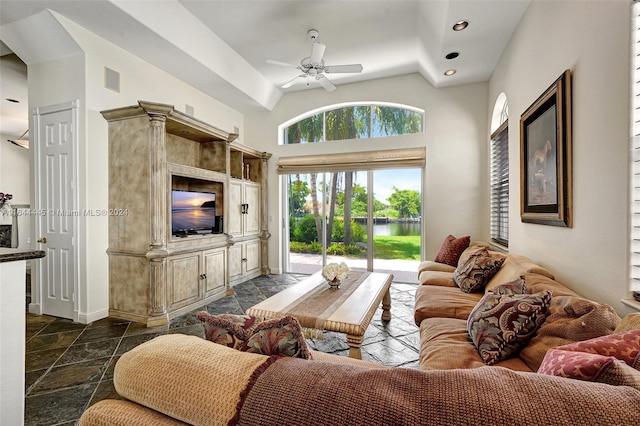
[(407, 247)]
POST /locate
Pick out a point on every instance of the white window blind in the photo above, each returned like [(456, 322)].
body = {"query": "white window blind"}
[(500, 185), (635, 149)]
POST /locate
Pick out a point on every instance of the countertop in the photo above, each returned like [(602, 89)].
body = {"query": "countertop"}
[(12, 255)]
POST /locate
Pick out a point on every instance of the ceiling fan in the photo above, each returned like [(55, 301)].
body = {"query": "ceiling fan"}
[(313, 66)]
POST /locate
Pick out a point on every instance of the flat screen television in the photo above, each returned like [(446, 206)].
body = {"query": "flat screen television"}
[(194, 213)]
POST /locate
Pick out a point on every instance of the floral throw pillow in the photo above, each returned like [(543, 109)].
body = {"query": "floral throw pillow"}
[(280, 336), (227, 329), (623, 346), (516, 286), (589, 367), (451, 250), (500, 325), (475, 272)]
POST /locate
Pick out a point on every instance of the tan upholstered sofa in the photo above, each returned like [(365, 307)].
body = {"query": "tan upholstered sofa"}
[(177, 379), (442, 309)]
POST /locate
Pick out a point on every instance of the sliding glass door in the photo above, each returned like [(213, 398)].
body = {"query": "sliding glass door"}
[(371, 220)]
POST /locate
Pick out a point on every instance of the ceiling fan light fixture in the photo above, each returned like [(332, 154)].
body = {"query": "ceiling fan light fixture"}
[(460, 25), (450, 72), (452, 55)]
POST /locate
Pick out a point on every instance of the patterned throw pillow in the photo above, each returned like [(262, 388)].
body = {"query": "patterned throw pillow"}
[(476, 271), (227, 329), (500, 325), (451, 249), (623, 346), (280, 336), (589, 367), (516, 286)]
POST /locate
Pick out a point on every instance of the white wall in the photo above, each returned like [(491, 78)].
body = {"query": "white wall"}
[(592, 39), (455, 138)]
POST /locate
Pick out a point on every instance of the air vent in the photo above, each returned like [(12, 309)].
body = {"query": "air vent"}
[(111, 79)]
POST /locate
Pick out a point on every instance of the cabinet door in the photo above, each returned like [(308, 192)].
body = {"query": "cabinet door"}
[(183, 280), (252, 256), (233, 220), (252, 217), (235, 262), (215, 271)]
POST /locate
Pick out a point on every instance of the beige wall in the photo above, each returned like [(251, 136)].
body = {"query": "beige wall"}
[(592, 39), (455, 136)]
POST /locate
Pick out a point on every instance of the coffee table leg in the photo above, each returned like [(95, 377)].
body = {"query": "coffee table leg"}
[(386, 306), (354, 343)]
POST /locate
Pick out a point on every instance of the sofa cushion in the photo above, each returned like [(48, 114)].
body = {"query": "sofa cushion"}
[(501, 324), (476, 271), (629, 322), (279, 336), (514, 266), (181, 375), (441, 278), (227, 329), (451, 249), (589, 367), (430, 265), (570, 319), (445, 345), (443, 302), (538, 282)]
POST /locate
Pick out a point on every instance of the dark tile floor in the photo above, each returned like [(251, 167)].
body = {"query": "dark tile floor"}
[(69, 366)]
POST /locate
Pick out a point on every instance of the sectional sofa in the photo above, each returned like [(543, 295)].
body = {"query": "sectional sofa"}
[(177, 379)]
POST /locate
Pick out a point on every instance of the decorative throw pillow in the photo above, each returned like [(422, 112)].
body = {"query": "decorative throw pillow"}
[(623, 346), (516, 286), (451, 249), (476, 271), (227, 329), (280, 336), (589, 367), (500, 325)]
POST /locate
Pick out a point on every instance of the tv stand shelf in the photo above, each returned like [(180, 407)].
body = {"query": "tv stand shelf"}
[(155, 275)]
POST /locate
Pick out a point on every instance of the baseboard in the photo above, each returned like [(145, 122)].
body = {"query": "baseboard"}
[(35, 308), (93, 316)]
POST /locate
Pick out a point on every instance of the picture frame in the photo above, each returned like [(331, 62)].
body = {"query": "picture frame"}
[(546, 157)]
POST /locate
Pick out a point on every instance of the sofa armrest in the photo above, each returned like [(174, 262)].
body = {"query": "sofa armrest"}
[(117, 412), (430, 265)]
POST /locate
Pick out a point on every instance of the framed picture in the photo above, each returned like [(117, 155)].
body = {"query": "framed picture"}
[(545, 157)]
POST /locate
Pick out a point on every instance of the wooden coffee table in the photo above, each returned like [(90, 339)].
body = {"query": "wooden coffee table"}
[(318, 307)]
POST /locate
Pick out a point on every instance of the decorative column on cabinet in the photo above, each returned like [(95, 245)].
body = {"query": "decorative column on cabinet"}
[(157, 253), (264, 220)]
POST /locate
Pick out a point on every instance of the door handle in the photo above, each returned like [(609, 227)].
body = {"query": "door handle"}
[(42, 240)]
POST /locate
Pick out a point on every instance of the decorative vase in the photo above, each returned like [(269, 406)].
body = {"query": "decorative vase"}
[(334, 283)]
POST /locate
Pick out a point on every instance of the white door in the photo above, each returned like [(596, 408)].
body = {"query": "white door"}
[(55, 145), (252, 209)]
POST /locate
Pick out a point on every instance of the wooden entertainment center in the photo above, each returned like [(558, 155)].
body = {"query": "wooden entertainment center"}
[(157, 273)]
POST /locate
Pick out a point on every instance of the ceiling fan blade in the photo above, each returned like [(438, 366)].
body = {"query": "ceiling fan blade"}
[(281, 64), (317, 52), (326, 83), (291, 82), (343, 68)]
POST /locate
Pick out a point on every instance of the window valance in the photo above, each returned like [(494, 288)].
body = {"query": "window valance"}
[(353, 161)]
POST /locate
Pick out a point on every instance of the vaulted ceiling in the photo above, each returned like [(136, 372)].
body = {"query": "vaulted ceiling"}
[(220, 47)]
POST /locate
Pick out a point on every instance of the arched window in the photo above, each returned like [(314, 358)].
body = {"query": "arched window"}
[(352, 121), (499, 172)]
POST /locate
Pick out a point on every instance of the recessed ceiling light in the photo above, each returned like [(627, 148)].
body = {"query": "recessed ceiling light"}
[(449, 72), (452, 55), (15, 101), (460, 25)]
